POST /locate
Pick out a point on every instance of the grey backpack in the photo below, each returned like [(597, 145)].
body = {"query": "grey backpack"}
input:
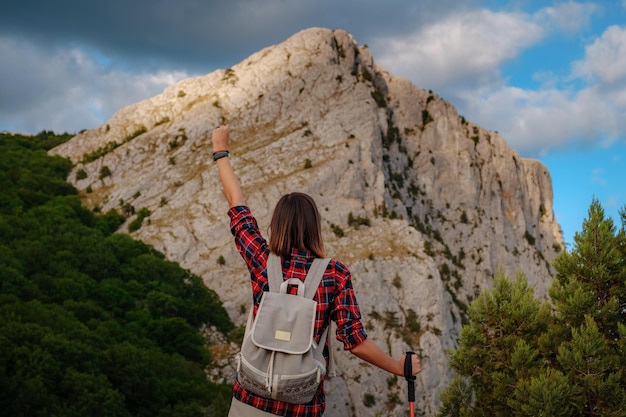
[(279, 358)]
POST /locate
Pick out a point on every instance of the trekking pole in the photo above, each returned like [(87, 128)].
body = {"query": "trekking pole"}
[(410, 379)]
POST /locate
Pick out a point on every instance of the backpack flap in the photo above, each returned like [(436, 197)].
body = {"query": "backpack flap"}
[(284, 323)]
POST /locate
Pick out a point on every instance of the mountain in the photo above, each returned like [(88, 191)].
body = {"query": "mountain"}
[(423, 205)]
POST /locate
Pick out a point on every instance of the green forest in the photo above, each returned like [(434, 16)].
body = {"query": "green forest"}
[(92, 322), (566, 356)]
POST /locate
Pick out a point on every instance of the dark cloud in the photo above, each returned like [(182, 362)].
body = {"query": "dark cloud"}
[(69, 64), (203, 35)]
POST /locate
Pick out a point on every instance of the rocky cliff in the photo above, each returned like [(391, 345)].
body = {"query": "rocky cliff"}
[(423, 205)]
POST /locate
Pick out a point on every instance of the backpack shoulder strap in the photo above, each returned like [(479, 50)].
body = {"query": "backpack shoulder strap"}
[(274, 272), (314, 276), (312, 282)]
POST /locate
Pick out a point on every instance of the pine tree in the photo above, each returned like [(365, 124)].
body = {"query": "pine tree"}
[(589, 294), (498, 347), (590, 279)]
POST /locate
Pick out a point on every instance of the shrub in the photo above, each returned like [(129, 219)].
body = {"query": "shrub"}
[(426, 117), (100, 152), (139, 131), (338, 231), (105, 172), (358, 221), (162, 121), (379, 98), (138, 222), (397, 282), (366, 74), (81, 174), (369, 400)]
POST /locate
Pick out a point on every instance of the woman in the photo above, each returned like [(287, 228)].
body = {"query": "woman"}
[(295, 236)]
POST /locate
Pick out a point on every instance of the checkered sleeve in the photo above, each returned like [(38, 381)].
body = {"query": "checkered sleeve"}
[(346, 311), (252, 247)]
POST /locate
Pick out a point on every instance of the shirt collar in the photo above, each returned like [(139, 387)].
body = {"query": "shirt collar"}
[(301, 253)]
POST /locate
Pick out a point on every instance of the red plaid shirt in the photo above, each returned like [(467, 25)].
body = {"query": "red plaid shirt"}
[(335, 300)]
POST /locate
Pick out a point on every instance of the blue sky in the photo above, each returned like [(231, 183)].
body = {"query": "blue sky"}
[(549, 76)]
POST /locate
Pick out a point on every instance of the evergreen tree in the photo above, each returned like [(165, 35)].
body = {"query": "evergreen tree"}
[(589, 294), (498, 348), (590, 279)]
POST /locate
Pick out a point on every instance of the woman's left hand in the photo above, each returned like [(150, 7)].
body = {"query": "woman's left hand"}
[(220, 138)]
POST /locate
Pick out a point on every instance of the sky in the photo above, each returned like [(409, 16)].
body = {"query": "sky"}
[(549, 76)]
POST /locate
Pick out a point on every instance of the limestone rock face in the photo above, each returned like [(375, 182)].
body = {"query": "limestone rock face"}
[(422, 205)]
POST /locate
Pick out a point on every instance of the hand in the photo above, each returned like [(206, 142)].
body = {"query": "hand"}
[(416, 365), (220, 138)]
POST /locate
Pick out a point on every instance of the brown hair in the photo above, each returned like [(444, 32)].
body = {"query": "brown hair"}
[(296, 223)]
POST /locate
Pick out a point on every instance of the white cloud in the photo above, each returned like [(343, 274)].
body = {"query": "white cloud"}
[(518, 114), (461, 48), (556, 117), (605, 59), (67, 89), (569, 17), (534, 122)]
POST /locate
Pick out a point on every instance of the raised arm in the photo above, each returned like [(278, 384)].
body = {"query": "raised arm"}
[(230, 183)]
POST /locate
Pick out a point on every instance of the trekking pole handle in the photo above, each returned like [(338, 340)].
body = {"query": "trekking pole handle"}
[(408, 375)]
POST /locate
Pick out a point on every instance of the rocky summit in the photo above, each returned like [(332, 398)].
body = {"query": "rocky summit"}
[(424, 206)]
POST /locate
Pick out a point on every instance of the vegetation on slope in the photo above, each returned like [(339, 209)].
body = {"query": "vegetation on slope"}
[(92, 322)]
